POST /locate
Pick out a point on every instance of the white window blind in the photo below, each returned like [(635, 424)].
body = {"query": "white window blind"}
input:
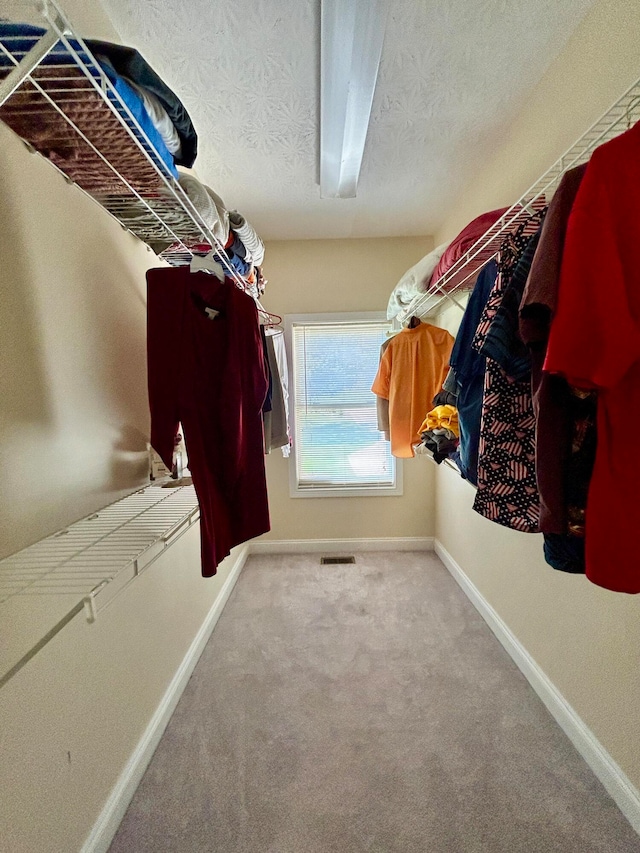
[(336, 441)]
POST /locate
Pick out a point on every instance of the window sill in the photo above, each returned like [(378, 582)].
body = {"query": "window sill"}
[(347, 492)]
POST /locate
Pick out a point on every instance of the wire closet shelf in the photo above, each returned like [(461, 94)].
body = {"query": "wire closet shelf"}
[(84, 567), (461, 275), (53, 81), (56, 107)]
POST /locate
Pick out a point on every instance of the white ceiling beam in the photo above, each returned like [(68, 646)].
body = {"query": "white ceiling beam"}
[(352, 33)]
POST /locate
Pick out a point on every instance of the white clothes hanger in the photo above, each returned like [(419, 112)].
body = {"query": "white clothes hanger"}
[(207, 263)]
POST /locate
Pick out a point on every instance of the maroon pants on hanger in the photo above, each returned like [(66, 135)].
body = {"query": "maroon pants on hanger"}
[(206, 370)]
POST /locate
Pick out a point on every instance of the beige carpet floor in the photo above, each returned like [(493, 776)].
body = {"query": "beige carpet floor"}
[(367, 707)]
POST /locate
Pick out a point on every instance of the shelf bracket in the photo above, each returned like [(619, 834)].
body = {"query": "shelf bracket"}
[(89, 601)]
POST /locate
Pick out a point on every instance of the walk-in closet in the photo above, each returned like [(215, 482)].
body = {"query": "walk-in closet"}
[(320, 368)]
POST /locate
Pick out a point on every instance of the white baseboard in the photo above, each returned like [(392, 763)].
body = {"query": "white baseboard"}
[(342, 546), (621, 789), (107, 824)]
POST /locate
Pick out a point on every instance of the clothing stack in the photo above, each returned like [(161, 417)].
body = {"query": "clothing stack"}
[(440, 431), (243, 249), (450, 259), (162, 116), (87, 142)]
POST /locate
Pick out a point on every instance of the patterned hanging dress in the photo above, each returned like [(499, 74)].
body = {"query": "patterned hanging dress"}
[(507, 490)]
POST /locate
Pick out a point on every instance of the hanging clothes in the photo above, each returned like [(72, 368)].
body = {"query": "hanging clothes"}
[(276, 424), (280, 354), (469, 368), (267, 402), (595, 344), (382, 404), (565, 417), (206, 370), (551, 394), (411, 373), (507, 492)]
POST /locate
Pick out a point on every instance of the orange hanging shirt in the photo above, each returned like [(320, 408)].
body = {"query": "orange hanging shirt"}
[(411, 373)]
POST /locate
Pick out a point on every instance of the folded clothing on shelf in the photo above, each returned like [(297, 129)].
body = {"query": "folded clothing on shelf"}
[(442, 444), (157, 109), (160, 119), (96, 163), (208, 204), (248, 235), (128, 63), (465, 240), (442, 417), (33, 117)]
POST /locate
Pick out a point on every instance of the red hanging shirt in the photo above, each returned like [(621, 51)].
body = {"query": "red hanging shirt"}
[(595, 343)]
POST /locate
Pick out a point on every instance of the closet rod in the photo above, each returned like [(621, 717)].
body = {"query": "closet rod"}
[(614, 121)]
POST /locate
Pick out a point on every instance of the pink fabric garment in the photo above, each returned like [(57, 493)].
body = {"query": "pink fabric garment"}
[(465, 240), (210, 375)]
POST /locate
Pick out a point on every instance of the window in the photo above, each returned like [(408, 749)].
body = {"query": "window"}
[(338, 449)]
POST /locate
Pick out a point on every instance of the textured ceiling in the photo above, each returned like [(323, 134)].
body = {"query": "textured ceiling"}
[(453, 75)]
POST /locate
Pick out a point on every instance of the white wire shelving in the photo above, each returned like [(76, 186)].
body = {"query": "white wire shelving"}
[(56, 96), (461, 276), (84, 566)]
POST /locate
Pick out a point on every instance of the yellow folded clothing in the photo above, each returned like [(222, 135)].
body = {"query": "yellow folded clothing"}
[(445, 417)]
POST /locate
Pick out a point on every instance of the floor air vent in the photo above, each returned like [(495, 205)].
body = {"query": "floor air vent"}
[(336, 561)]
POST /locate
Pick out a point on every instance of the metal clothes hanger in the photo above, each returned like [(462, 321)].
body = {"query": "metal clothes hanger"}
[(267, 319), (274, 322)]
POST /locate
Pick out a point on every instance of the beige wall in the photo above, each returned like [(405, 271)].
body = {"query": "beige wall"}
[(72, 718), (316, 276), (73, 431), (586, 639), (599, 63), (87, 17), (73, 419)]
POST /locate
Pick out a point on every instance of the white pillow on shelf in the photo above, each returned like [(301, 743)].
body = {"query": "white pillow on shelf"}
[(414, 282)]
